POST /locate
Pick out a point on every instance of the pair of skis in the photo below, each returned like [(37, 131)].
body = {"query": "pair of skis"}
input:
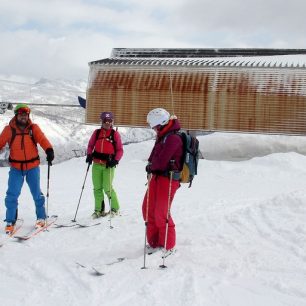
[(35, 231), (96, 271), (76, 225), (28, 235)]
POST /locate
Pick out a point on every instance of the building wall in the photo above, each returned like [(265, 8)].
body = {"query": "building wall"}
[(233, 99)]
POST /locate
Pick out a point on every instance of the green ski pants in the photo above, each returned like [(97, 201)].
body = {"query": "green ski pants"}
[(102, 179)]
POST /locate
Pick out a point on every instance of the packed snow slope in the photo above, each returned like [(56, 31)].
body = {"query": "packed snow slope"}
[(240, 229), (240, 238)]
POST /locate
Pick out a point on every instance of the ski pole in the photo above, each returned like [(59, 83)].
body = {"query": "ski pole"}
[(74, 219), (48, 185), (167, 219), (110, 198), (146, 222)]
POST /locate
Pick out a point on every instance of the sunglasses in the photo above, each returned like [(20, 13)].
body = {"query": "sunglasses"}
[(23, 110), (107, 120)]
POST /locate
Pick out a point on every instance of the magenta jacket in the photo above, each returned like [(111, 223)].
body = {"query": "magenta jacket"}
[(168, 146)]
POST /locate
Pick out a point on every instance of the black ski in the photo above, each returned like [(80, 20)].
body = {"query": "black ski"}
[(77, 225), (87, 225), (119, 259), (56, 225)]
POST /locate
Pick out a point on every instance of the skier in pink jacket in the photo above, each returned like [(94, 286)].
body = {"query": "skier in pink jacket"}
[(105, 151)]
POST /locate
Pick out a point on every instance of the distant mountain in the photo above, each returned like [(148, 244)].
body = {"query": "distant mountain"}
[(57, 91), (64, 126)]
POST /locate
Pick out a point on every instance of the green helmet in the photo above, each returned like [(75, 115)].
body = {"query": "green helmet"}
[(22, 107)]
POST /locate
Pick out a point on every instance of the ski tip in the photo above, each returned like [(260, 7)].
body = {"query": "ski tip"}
[(121, 258), (96, 272)]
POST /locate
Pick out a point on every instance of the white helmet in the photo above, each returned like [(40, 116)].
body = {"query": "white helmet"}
[(158, 116)]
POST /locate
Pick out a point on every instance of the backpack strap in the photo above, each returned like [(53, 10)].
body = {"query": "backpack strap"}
[(97, 135), (14, 134), (13, 131), (112, 139), (164, 138)]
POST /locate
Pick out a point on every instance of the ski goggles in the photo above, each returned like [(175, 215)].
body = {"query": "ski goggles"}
[(22, 110)]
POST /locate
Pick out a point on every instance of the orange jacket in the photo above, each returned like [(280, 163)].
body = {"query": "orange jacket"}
[(23, 150)]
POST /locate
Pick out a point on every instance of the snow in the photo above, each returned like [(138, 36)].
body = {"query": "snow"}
[(240, 228), (240, 237)]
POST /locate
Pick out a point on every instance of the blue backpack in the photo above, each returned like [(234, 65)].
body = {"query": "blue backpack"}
[(190, 157)]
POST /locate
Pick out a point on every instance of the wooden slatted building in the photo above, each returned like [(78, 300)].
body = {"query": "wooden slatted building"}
[(256, 91)]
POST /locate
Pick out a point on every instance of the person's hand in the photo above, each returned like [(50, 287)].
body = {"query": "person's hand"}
[(148, 169), (50, 155), (111, 163), (89, 159)]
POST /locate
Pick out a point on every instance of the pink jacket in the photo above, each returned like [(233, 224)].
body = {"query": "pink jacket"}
[(104, 145)]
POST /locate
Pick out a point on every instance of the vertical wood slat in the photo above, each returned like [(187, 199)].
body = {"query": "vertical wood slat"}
[(234, 99)]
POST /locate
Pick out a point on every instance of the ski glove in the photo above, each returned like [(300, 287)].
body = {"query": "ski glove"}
[(148, 169), (50, 155), (111, 163), (89, 159)]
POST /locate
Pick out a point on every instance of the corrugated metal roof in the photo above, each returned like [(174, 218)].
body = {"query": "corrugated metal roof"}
[(201, 52), (285, 61)]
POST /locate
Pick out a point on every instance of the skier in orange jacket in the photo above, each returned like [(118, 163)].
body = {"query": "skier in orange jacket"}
[(22, 137)]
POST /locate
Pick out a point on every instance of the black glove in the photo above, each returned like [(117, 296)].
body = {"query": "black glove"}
[(111, 163), (89, 159), (148, 169), (50, 155)]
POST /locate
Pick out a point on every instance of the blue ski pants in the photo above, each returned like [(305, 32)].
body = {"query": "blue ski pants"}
[(15, 183)]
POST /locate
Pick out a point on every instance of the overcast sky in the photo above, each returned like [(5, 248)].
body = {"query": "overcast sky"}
[(57, 38)]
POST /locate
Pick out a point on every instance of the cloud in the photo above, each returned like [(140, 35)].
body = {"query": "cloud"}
[(57, 38), (260, 23)]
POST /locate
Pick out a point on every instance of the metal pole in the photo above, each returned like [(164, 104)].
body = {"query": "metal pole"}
[(167, 219), (146, 222), (48, 187), (110, 198), (74, 219)]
